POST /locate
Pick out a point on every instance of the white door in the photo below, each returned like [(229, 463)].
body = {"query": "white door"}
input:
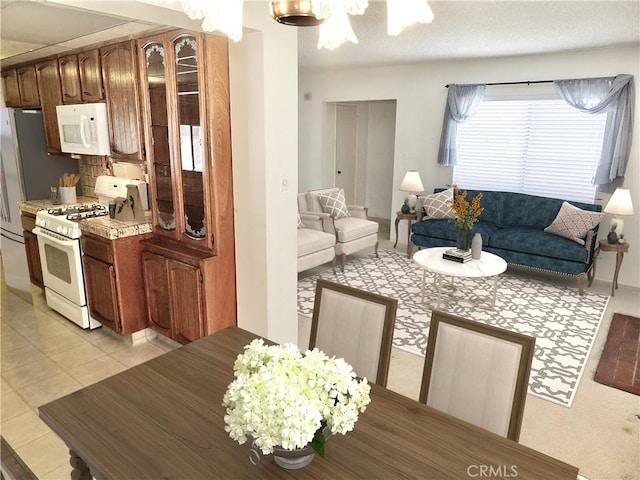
[(346, 150)]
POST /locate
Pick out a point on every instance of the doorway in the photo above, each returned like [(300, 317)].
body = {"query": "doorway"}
[(362, 149)]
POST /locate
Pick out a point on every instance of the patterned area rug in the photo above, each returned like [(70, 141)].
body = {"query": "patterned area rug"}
[(563, 323)]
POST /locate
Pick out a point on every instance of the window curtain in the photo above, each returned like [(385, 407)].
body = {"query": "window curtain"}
[(615, 97), (461, 101)]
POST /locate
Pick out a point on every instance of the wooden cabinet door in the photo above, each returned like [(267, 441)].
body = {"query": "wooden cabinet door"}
[(101, 292), (33, 258), (119, 74), (156, 286), (186, 302), (90, 76), (28, 86), (50, 97), (10, 88), (70, 79)]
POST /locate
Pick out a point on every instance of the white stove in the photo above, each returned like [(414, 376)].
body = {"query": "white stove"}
[(59, 233), (64, 220)]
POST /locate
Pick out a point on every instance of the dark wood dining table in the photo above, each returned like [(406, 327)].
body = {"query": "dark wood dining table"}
[(165, 419)]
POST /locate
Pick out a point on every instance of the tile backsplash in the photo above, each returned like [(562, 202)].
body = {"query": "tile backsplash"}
[(91, 167)]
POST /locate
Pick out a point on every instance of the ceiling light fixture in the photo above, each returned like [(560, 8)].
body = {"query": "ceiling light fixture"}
[(223, 15), (297, 13), (336, 30), (331, 15), (402, 13)]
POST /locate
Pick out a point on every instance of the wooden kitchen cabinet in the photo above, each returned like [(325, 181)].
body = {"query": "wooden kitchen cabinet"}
[(119, 74), (10, 88), (20, 87), (115, 286), (184, 79), (31, 247), (28, 86), (50, 89), (90, 76), (81, 77), (70, 79), (186, 299)]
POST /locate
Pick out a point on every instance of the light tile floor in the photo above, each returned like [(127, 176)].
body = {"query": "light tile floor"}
[(44, 356)]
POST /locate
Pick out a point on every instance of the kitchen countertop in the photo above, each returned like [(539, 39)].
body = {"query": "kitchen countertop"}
[(102, 226)]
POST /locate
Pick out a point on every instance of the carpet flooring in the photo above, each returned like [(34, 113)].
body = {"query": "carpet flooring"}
[(619, 365), (563, 322)]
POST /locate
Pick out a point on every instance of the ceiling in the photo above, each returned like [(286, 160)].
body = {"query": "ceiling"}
[(461, 29)]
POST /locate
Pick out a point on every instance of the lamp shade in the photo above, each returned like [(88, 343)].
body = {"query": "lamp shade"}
[(620, 203), (412, 182)]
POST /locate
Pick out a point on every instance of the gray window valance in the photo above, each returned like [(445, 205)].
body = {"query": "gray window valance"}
[(615, 97), (461, 101)]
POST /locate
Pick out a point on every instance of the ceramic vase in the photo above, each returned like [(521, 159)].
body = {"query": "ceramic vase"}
[(464, 240), (476, 246)]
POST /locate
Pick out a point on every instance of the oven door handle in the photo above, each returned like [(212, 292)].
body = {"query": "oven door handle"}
[(53, 237)]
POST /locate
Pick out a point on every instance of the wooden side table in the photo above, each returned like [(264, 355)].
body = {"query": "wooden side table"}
[(605, 246), (408, 217)]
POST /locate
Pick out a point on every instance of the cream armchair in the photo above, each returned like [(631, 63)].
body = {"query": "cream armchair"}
[(353, 233), (316, 242)]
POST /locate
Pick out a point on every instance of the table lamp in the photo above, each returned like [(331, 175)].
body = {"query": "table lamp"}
[(413, 185), (619, 204)]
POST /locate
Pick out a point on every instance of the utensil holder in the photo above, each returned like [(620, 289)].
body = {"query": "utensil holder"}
[(68, 194)]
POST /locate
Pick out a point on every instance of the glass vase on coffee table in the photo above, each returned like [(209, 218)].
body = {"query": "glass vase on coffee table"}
[(463, 241)]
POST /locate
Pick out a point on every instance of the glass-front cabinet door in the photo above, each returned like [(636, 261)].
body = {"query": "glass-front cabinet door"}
[(191, 152), (173, 79), (155, 61)]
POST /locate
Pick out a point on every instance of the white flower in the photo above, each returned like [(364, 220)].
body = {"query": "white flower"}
[(282, 397)]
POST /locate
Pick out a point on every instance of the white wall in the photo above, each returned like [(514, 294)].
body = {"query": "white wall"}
[(420, 94), (264, 126)]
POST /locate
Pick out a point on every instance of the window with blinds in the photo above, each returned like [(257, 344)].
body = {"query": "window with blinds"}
[(533, 146)]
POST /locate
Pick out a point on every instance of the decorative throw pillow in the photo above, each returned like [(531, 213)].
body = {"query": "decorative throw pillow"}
[(300, 224), (573, 222), (334, 204), (438, 205)]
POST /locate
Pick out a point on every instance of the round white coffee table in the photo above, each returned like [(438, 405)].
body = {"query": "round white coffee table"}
[(430, 259)]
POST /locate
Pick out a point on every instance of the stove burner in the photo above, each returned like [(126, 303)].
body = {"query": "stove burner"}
[(77, 216), (57, 211), (79, 212)]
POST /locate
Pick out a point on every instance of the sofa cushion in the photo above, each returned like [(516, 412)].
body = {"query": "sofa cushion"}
[(300, 224), (334, 204), (351, 228), (521, 210), (310, 241), (438, 205), (537, 242), (573, 223)]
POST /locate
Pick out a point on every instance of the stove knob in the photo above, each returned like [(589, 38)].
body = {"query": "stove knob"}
[(59, 229), (65, 231)]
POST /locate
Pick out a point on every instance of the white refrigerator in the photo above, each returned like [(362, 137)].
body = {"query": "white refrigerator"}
[(27, 173)]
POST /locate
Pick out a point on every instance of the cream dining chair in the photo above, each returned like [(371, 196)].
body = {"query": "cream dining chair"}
[(356, 325), (477, 373)]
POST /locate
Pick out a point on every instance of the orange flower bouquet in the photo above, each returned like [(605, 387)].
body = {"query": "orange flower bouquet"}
[(466, 214)]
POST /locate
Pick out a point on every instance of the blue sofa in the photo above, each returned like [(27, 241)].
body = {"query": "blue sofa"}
[(512, 226)]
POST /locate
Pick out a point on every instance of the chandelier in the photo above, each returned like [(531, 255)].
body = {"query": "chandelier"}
[(331, 15)]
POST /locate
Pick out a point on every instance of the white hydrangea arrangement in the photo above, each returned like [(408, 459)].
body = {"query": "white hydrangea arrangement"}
[(281, 397)]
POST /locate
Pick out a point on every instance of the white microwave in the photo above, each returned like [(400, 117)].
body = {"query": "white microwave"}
[(84, 128)]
